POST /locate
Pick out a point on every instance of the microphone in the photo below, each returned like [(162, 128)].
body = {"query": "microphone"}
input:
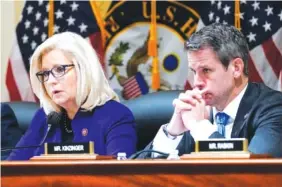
[(53, 121)]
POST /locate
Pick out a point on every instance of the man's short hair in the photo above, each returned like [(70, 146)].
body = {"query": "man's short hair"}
[(225, 40)]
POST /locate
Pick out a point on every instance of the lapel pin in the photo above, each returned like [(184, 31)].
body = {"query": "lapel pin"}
[(84, 132)]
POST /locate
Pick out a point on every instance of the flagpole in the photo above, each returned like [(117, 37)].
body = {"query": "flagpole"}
[(237, 20), (51, 18), (153, 47)]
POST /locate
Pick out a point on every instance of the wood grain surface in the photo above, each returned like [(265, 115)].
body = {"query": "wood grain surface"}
[(196, 172)]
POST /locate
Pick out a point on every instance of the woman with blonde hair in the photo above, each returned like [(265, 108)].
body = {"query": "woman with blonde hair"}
[(67, 77)]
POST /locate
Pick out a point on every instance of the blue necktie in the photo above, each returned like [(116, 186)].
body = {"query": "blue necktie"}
[(221, 120)]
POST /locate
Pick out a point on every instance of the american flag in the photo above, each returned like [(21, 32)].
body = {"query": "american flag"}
[(261, 23), (135, 86), (32, 30)]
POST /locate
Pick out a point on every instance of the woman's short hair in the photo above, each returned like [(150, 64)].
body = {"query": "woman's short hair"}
[(93, 88)]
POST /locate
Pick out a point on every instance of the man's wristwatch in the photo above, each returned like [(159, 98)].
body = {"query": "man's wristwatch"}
[(172, 137)]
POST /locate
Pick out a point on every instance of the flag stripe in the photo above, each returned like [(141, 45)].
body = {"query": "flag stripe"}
[(273, 56), (132, 89), (130, 79), (277, 39), (262, 65), (11, 84), (134, 95), (133, 92), (132, 86), (130, 93), (129, 83), (280, 82), (200, 25), (96, 40), (253, 73), (187, 86), (21, 77), (190, 79)]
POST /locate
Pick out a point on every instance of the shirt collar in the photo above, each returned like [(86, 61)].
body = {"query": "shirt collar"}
[(232, 108)]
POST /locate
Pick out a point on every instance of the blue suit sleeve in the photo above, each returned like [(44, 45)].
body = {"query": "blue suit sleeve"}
[(121, 135), (267, 138)]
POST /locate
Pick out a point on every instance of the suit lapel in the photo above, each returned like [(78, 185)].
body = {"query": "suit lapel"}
[(211, 116), (245, 106)]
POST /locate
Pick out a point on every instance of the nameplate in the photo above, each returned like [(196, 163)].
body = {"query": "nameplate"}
[(69, 148), (222, 145)]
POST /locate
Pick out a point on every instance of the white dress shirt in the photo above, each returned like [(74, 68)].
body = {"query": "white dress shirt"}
[(200, 130)]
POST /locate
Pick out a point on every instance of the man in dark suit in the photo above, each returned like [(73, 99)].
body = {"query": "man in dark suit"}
[(10, 131), (223, 103)]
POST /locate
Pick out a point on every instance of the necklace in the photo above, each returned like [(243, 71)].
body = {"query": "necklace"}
[(65, 124)]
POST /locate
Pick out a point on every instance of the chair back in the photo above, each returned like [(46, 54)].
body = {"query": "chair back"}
[(151, 111), (24, 112)]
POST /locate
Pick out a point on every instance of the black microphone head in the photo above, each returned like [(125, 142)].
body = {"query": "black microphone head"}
[(54, 118)]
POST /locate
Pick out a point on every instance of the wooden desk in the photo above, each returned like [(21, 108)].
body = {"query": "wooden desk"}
[(196, 172)]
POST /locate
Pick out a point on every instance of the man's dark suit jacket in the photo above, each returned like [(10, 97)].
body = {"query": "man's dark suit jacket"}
[(10, 131), (259, 119)]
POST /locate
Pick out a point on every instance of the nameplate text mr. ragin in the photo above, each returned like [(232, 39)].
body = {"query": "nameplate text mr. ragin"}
[(222, 145), (69, 148)]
